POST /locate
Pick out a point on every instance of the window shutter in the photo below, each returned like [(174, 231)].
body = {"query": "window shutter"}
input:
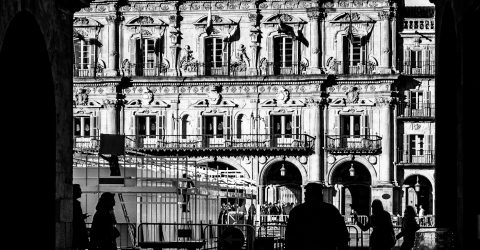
[(407, 63), (229, 126), (267, 125), (427, 148), (161, 125), (427, 103), (296, 126), (270, 49), (408, 102), (77, 48), (406, 147), (132, 47), (199, 125), (363, 125), (336, 125), (93, 131)]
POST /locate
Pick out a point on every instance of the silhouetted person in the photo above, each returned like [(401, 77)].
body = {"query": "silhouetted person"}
[(113, 163), (421, 214), (186, 184), (315, 224), (382, 236), (104, 232), (409, 227), (252, 211), (80, 235)]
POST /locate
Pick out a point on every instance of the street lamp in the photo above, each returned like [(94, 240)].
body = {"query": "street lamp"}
[(282, 170), (417, 186), (351, 170)]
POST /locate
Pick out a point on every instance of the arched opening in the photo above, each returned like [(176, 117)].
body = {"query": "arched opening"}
[(352, 183), (282, 183), (32, 149), (418, 194)]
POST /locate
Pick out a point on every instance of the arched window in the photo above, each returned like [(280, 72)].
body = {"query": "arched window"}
[(184, 126), (239, 126)]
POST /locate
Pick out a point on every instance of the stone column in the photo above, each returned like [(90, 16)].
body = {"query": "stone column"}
[(315, 43), (255, 42), (386, 134), (385, 50), (112, 66), (111, 115), (394, 38), (315, 172)]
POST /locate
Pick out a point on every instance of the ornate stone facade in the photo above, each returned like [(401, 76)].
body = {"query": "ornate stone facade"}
[(340, 52)]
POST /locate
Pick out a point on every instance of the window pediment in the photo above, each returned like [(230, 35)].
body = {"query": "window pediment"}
[(86, 22), (145, 21), (206, 103), (356, 18)]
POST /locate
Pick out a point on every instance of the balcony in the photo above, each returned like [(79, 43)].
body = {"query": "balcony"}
[(210, 145), (274, 68), (81, 70), (419, 24), (358, 144), (146, 70), (416, 111), (419, 68), (354, 68), (415, 157)]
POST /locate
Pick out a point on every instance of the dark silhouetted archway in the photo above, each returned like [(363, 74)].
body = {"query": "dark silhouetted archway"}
[(28, 126)]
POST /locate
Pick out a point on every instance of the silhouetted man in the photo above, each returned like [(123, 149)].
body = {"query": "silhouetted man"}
[(185, 185), (315, 224)]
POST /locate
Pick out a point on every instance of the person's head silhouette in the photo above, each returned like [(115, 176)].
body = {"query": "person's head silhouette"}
[(106, 201), (77, 191), (409, 212), (377, 206), (313, 192)]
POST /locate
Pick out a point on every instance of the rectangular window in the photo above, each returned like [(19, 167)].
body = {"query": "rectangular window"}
[(84, 55), (416, 99), (81, 126), (416, 58), (282, 125), (416, 144), (214, 52), (350, 125), (146, 125), (283, 55), (354, 55), (213, 126)]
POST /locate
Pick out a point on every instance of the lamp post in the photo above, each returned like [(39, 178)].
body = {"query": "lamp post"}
[(417, 186), (282, 170)]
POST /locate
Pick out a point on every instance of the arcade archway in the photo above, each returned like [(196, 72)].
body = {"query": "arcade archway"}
[(417, 190), (282, 183), (352, 182)]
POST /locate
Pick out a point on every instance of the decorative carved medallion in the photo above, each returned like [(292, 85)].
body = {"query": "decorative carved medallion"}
[(283, 95), (81, 97), (147, 96), (214, 95), (352, 95)]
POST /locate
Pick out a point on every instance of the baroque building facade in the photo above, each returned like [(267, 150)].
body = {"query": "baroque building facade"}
[(284, 92)]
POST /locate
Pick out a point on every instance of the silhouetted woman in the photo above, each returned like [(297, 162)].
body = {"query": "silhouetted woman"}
[(382, 237), (409, 227), (103, 232)]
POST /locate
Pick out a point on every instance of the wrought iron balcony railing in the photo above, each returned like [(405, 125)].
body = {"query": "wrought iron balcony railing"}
[(365, 144), (416, 110), (418, 68), (82, 70), (282, 68), (406, 156), (354, 68), (183, 144), (145, 69)]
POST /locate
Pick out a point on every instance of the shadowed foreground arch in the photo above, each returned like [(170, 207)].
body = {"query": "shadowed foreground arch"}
[(30, 124)]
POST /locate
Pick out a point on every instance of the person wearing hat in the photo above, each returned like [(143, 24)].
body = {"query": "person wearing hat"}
[(315, 224)]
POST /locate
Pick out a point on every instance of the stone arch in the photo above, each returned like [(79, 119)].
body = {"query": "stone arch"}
[(296, 163), (230, 162), (362, 160), (44, 173)]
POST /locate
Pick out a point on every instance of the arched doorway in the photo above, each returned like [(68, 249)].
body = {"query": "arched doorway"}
[(282, 183), (352, 182), (418, 194), (30, 125)]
